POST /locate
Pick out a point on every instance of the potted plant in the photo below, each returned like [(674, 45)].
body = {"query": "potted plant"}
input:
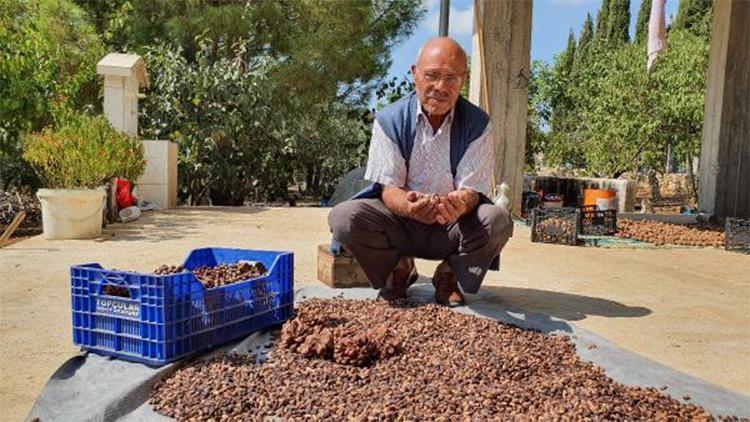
[(74, 160)]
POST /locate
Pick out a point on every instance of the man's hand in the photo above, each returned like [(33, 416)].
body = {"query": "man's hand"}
[(410, 204), (455, 205), (430, 209), (423, 208)]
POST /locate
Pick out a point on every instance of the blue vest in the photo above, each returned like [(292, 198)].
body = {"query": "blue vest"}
[(399, 123)]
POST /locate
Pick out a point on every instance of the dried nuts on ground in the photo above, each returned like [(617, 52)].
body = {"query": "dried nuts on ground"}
[(660, 233), (448, 366)]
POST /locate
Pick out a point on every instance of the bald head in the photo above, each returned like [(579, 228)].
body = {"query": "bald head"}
[(443, 49), (438, 75)]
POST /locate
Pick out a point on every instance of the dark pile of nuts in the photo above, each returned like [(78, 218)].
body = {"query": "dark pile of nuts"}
[(224, 274), (169, 269), (555, 230), (660, 233), (220, 275), (210, 277), (345, 342), (119, 291), (451, 366)]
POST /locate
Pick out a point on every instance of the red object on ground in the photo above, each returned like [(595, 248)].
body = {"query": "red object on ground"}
[(124, 197)]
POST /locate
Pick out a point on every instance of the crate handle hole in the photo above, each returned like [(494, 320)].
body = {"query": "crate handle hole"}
[(117, 291)]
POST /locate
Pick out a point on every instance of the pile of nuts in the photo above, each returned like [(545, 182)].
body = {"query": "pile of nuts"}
[(555, 230), (169, 269), (220, 275), (119, 291), (224, 274), (660, 233), (337, 339), (210, 277), (450, 366)]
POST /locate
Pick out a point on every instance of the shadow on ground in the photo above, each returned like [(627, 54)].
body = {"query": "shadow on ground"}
[(544, 310), (566, 306), (171, 224)]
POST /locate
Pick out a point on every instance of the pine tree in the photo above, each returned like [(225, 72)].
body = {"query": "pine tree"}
[(584, 43), (602, 20), (619, 21), (641, 26)]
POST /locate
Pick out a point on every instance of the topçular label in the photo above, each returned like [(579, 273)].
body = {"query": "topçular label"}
[(119, 307)]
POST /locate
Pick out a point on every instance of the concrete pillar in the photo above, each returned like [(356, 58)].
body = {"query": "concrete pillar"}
[(124, 74), (506, 27), (724, 188), (159, 181)]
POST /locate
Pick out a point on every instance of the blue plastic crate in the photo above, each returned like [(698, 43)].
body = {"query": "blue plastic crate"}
[(168, 317)]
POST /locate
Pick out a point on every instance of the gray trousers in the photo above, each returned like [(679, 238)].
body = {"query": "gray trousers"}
[(378, 238)]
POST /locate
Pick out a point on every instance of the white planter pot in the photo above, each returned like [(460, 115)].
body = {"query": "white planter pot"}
[(71, 213)]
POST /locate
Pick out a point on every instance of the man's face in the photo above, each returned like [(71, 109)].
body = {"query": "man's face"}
[(438, 76)]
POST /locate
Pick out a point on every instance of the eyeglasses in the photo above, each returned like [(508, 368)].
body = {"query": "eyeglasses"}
[(434, 77)]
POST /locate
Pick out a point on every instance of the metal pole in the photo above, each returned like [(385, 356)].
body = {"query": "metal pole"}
[(445, 8)]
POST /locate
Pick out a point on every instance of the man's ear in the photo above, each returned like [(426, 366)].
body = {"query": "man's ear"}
[(414, 70)]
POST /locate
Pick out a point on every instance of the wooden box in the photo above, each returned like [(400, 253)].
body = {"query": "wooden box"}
[(340, 271)]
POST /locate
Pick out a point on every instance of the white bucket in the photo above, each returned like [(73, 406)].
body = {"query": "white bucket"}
[(71, 213)]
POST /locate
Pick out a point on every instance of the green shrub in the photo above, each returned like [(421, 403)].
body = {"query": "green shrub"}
[(48, 56), (240, 138), (83, 152)]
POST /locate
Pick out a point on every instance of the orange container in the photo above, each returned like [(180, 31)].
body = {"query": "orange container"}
[(590, 196)]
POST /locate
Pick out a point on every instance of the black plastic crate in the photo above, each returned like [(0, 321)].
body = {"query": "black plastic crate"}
[(555, 225), (737, 235), (529, 201), (596, 222)]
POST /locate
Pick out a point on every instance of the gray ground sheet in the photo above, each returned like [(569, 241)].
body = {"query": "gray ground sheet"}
[(96, 388)]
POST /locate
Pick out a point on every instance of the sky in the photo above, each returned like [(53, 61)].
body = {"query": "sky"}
[(551, 23)]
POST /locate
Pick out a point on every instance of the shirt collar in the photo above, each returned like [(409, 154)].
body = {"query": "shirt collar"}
[(420, 112)]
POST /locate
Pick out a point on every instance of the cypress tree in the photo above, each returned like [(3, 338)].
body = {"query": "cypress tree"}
[(602, 20), (694, 16), (619, 21), (570, 53), (641, 26), (584, 43)]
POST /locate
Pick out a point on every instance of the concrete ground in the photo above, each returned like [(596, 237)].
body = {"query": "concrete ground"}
[(685, 308)]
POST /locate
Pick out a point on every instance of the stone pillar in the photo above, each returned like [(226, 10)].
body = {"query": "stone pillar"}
[(724, 189), (506, 27), (124, 75)]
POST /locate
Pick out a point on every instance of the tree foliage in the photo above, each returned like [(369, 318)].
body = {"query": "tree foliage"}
[(609, 115), (618, 22), (48, 50), (694, 16), (602, 20), (260, 96)]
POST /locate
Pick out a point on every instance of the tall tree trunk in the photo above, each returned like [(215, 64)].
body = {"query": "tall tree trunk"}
[(692, 183), (653, 181)]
